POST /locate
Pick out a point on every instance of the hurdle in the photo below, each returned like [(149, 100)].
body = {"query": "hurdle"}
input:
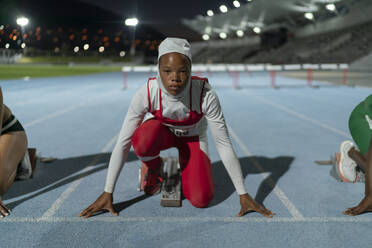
[(235, 70)]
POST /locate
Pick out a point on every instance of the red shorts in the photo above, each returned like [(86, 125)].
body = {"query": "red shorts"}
[(197, 182)]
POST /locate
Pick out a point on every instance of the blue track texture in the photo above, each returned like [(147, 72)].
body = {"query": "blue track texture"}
[(276, 133)]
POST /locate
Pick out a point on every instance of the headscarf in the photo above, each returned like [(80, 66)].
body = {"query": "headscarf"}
[(174, 45)]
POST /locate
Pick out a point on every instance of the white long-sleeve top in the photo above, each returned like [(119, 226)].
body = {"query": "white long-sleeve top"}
[(177, 108)]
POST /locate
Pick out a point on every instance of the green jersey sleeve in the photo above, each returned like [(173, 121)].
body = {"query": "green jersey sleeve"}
[(368, 106)]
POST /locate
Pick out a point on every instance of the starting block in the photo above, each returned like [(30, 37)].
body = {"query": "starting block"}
[(171, 185)]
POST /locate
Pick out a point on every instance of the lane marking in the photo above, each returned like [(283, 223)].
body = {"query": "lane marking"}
[(280, 194), (78, 174), (298, 115), (164, 219), (58, 203), (66, 110)]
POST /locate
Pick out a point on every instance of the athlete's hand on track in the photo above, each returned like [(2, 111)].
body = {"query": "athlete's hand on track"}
[(4, 211), (248, 205), (364, 206), (103, 202)]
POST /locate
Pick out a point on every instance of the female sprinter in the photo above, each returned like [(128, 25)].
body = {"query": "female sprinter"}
[(360, 125), (14, 156), (178, 108)]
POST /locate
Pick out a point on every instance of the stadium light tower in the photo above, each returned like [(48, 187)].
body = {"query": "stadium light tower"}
[(22, 21), (132, 22)]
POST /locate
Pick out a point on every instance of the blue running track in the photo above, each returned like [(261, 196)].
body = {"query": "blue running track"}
[(277, 135)]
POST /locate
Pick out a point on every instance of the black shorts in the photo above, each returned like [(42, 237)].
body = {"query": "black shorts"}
[(11, 125)]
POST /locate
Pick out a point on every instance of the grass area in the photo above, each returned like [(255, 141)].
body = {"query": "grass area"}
[(21, 71), (69, 59)]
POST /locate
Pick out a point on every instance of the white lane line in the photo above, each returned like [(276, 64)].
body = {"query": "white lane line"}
[(58, 203), (63, 111), (298, 115), (55, 114), (281, 195), (53, 185), (165, 219)]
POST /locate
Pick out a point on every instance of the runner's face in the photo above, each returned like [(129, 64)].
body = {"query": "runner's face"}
[(174, 70)]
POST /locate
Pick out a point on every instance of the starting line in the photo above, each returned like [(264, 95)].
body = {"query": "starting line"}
[(160, 219)]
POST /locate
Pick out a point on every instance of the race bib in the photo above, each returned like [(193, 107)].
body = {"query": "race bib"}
[(180, 132)]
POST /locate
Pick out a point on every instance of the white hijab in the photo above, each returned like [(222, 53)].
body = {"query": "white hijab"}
[(174, 45)]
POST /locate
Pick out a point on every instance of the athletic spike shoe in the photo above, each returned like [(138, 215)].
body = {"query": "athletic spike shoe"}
[(152, 182), (347, 166)]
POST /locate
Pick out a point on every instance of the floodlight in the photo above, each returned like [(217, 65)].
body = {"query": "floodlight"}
[(22, 21), (309, 15), (205, 37), (223, 8), (210, 13), (257, 30), (236, 4), (223, 35), (240, 33), (131, 21), (331, 7)]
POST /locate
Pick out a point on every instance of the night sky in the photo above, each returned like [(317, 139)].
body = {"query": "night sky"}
[(155, 16), (147, 11)]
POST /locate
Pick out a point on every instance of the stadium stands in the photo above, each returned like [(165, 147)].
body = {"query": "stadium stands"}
[(341, 46)]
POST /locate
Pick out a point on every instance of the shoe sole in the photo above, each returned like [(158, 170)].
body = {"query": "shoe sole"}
[(342, 158)]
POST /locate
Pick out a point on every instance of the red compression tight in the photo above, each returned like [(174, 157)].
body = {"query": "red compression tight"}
[(197, 183)]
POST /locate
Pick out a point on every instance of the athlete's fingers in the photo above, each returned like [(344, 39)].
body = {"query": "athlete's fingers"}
[(112, 211), (4, 211), (357, 210), (4, 207), (268, 212), (264, 212), (243, 211), (349, 211), (84, 211), (87, 211)]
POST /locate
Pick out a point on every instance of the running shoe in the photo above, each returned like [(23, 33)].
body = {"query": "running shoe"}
[(347, 166), (152, 182), (27, 166), (152, 179)]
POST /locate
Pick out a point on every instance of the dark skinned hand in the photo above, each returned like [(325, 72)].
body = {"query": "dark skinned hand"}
[(103, 202), (364, 206), (248, 205), (4, 211)]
